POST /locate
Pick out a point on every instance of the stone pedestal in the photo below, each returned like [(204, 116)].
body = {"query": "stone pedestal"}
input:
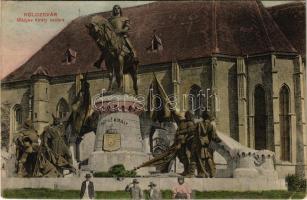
[(118, 136), (102, 161)]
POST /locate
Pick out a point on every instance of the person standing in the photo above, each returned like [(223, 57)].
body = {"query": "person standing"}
[(182, 190), (153, 192), (134, 189), (87, 188)]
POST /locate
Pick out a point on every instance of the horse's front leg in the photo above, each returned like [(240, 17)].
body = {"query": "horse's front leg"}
[(111, 74), (120, 74), (110, 67), (133, 74)]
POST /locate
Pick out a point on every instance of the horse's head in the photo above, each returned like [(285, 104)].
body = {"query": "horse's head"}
[(97, 27), (103, 33)]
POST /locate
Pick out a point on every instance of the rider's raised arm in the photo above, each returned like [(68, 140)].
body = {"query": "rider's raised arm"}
[(126, 26)]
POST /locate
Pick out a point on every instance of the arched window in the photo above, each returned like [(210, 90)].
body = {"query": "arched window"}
[(17, 117), (62, 109), (260, 118), (284, 119), (196, 100)]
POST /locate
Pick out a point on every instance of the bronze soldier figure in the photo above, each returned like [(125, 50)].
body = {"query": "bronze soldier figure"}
[(26, 143), (183, 140), (53, 155), (207, 134)]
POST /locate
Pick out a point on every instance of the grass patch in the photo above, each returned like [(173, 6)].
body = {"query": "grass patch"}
[(39, 193), (113, 195), (274, 194), (28, 193)]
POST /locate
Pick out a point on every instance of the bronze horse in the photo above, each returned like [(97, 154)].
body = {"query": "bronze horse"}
[(118, 59)]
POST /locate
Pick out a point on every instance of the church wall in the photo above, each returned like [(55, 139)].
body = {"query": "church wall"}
[(272, 73), (226, 103), (259, 73), (9, 98), (285, 72), (15, 96), (41, 97), (305, 124), (165, 79), (67, 91), (58, 91), (146, 78), (192, 75), (144, 81), (96, 85), (286, 69)]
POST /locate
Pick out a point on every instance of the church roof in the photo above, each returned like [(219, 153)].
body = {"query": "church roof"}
[(291, 19), (188, 30)]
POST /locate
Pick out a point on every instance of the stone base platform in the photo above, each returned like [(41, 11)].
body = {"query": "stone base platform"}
[(101, 161), (163, 183)]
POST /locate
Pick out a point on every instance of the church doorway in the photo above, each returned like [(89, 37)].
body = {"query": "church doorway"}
[(260, 118)]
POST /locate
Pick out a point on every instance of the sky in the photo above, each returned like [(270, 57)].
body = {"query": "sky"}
[(20, 40)]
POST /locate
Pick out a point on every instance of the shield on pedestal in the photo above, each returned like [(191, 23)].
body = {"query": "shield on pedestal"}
[(111, 141)]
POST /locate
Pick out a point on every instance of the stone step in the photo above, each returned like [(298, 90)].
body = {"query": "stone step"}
[(163, 183)]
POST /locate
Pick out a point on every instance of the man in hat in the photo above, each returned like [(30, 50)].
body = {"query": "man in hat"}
[(153, 193), (182, 190), (87, 188), (134, 189)]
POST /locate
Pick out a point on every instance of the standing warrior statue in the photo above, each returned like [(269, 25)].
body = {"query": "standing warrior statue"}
[(202, 154), (183, 140)]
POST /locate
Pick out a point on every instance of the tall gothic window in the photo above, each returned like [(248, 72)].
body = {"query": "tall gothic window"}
[(284, 120), (260, 121), (196, 100), (17, 121), (62, 109)]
